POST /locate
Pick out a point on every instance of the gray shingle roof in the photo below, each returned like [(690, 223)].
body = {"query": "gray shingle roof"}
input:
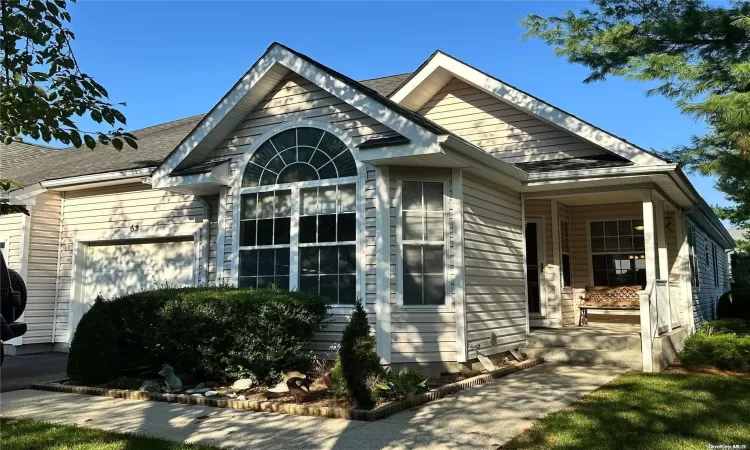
[(587, 162), (32, 163)]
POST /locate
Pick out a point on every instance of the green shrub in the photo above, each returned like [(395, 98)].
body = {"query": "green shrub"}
[(360, 363), (96, 358), (721, 350), (736, 326), (339, 389), (405, 385), (221, 333)]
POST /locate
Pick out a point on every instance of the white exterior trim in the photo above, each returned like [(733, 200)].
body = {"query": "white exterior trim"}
[(278, 54), (527, 103), (459, 270), (556, 264), (383, 264), (221, 232), (23, 261)]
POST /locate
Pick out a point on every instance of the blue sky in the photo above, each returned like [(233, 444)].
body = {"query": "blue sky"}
[(170, 60)]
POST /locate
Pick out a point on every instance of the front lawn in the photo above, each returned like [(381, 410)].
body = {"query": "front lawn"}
[(650, 411), (29, 434)]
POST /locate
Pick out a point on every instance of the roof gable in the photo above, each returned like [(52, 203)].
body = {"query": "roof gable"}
[(263, 76), (441, 68)]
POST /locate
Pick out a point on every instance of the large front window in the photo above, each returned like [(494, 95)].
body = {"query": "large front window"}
[(618, 253), (423, 243), (298, 216)]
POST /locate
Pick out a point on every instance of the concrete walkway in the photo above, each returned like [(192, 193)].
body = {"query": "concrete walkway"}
[(482, 417)]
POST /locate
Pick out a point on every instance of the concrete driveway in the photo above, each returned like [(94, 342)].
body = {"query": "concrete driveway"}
[(486, 416), (20, 372)]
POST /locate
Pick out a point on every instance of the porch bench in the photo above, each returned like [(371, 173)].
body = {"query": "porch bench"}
[(620, 298)]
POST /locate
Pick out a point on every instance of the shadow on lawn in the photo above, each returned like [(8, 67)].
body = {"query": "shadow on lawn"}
[(650, 411)]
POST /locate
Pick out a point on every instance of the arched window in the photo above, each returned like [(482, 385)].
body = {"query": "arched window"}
[(299, 154), (302, 235)]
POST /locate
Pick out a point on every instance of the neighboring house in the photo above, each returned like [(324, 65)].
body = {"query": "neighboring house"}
[(461, 210)]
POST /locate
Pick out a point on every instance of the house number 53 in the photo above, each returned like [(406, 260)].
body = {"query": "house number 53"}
[(134, 227)]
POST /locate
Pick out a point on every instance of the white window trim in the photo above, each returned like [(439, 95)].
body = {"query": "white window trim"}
[(5, 240), (591, 253), (237, 190), (448, 305)]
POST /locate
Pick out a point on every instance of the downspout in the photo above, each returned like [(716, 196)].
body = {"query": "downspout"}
[(57, 272)]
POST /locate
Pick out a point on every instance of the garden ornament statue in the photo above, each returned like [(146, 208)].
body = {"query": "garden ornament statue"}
[(174, 384)]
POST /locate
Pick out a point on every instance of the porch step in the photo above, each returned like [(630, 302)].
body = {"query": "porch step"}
[(584, 339), (628, 359)]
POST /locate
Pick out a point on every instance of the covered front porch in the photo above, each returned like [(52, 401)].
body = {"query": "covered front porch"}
[(621, 236)]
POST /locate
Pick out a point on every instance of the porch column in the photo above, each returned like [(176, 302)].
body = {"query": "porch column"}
[(383, 266), (648, 318), (662, 256), (554, 311), (683, 261)]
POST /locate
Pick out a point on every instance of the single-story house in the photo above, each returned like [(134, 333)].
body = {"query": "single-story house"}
[(464, 212)]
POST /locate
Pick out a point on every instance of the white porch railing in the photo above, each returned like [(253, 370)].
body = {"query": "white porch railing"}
[(660, 313)]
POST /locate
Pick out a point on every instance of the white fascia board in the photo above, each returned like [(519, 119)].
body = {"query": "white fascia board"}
[(528, 104), (97, 178), (218, 175), (277, 54), (27, 195), (382, 154), (700, 205), (539, 177)]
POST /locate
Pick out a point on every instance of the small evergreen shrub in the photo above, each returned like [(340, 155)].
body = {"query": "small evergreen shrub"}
[(96, 358), (359, 361), (339, 389), (721, 350), (220, 333)]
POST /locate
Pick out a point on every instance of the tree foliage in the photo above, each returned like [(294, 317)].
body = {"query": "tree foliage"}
[(42, 88), (359, 361), (697, 53)]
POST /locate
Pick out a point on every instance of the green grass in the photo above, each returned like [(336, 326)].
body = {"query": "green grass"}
[(649, 412), (24, 434)]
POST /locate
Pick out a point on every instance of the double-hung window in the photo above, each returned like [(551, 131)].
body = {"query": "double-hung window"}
[(298, 216), (565, 253), (618, 253), (423, 243)]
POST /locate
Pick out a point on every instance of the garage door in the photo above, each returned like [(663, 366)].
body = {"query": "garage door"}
[(124, 268)]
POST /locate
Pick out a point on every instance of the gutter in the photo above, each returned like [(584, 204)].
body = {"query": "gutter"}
[(474, 152)]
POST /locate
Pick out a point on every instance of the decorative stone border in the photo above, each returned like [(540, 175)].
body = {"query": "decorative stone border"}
[(288, 408)]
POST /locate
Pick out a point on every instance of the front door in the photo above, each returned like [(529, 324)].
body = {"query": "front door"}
[(535, 267)]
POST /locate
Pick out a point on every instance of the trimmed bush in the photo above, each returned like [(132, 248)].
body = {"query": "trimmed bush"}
[(219, 333), (734, 304), (721, 350), (96, 358), (359, 361)]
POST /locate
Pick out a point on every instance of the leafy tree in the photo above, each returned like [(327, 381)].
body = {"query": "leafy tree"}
[(697, 53), (42, 88)]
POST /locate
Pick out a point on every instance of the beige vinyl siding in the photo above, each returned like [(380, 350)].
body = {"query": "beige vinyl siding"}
[(500, 128), (213, 230), (297, 98), (111, 212), (420, 336), (10, 232), (293, 99), (706, 296), (580, 216), (41, 272), (494, 266)]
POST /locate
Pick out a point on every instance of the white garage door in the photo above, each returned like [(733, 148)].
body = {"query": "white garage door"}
[(124, 268)]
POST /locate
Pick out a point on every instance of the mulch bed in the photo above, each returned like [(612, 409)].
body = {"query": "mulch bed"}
[(676, 367), (317, 407)]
